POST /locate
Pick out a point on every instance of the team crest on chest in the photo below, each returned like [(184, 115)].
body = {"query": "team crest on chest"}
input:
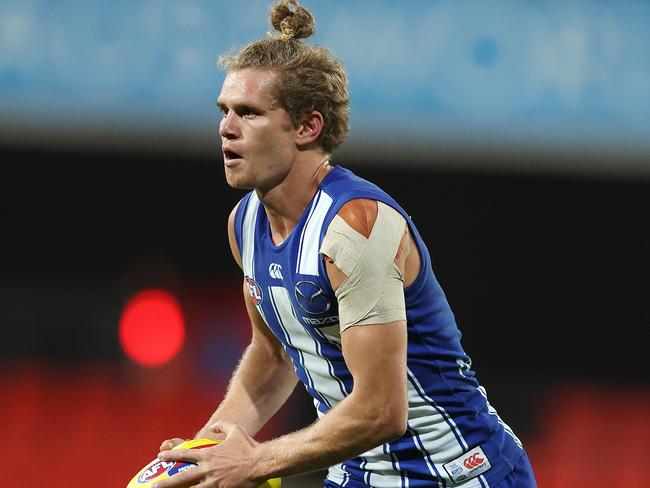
[(254, 290)]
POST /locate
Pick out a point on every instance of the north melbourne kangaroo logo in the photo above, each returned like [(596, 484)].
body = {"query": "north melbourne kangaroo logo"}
[(275, 270), (473, 461)]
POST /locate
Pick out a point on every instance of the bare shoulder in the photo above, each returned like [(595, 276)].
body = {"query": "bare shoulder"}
[(232, 240), (360, 214)]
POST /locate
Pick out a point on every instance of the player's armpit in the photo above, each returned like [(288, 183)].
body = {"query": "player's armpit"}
[(367, 246)]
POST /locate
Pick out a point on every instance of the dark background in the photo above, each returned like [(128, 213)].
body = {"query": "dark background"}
[(547, 274), (540, 270)]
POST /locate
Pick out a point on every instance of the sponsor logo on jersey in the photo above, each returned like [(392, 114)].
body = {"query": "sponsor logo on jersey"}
[(473, 461), (311, 298), (155, 470), (468, 465), (331, 320), (275, 270), (254, 290)]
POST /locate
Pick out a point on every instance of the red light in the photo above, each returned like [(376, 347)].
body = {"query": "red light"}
[(152, 329)]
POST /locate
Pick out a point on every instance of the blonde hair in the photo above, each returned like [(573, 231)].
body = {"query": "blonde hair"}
[(308, 77)]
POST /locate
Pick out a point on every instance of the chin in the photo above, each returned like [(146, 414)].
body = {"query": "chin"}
[(238, 182)]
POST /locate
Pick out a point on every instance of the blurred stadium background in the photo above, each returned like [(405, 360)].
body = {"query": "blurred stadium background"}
[(517, 134)]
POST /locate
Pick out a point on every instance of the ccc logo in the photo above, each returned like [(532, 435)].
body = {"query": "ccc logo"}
[(275, 270), (473, 461)]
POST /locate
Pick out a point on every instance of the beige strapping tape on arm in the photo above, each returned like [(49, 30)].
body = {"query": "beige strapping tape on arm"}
[(373, 292)]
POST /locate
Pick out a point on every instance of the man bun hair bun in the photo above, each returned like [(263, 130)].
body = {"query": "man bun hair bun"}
[(291, 20)]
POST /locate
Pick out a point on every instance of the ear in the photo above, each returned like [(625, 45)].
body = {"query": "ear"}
[(310, 128)]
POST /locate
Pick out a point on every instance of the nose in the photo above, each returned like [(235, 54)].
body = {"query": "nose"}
[(228, 126)]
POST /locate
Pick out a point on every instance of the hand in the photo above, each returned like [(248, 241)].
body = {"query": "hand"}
[(227, 465), (168, 444)]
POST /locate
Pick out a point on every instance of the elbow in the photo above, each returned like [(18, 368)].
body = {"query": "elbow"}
[(393, 424), (396, 429)]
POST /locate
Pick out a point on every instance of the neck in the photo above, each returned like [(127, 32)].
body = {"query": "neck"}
[(286, 202)]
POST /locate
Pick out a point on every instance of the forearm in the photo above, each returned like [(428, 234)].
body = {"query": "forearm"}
[(260, 385), (353, 427)]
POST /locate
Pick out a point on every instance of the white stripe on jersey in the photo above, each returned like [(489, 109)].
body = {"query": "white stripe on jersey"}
[(346, 476), (437, 430), (287, 339), (337, 474), (312, 206), (478, 482), (380, 463), (436, 440), (317, 366), (485, 482), (308, 254), (248, 235), (426, 455), (493, 411)]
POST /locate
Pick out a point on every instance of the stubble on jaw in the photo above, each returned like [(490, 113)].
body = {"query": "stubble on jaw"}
[(232, 182)]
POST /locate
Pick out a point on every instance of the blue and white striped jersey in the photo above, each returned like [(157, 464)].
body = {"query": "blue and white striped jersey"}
[(454, 436)]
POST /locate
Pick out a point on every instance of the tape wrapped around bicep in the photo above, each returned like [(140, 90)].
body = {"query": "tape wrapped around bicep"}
[(373, 291)]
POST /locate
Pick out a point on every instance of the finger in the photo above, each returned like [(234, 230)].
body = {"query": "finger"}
[(181, 480), (204, 484), (170, 443), (223, 426), (188, 455)]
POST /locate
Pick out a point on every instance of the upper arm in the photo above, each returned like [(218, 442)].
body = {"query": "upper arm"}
[(376, 358), (375, 353)]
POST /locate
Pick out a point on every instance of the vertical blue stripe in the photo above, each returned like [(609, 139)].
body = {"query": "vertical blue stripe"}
[(395, 463), (346, 476), (423, 457), (337, 369), (356, 471), (366, 474), (326, 358)]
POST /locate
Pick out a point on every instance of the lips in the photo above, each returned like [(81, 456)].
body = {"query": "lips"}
[(229, 154)]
